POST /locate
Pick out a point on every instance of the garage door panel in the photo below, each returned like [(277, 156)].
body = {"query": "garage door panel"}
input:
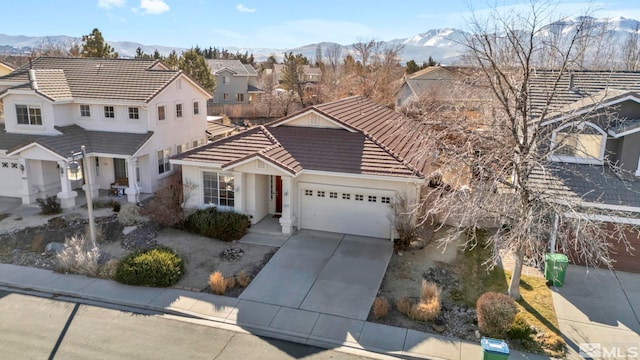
[(10, 178), (330, 211)]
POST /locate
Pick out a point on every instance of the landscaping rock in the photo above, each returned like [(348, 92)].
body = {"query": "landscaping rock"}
[(128, 229), (57, 222), (439, 328), (231, 254), (143, 237), (53, 248)]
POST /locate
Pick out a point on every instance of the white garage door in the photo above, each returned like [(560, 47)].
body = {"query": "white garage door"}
[(346, 210), (10, 178)]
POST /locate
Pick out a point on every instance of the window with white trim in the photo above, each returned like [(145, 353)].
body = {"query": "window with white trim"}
[(194, 143), (320, 193), (225, 96), (239, 97), (385, 200), (578, 142), (217, 189), (85, 111), (29, 114), (109, 112), (333, 195), (178, 110), (163, 161), (196, 108), (359, 197), (134, 113), (161, 112), (182, 148), (226, 79), (308, 192), (346, 196), (97, 166), (372, 198)]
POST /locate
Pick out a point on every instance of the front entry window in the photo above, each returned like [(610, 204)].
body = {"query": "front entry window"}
[(218, 189)]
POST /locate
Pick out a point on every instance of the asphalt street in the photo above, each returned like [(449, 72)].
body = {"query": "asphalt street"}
[(34, 327)]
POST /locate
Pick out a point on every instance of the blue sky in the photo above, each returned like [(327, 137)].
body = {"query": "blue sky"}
[(253, 23)]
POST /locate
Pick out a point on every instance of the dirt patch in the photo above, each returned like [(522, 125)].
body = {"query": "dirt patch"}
[(26, 247), (202, 256), (434, 263)]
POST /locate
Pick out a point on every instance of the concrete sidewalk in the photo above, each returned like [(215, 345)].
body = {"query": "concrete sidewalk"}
[(300, 326)]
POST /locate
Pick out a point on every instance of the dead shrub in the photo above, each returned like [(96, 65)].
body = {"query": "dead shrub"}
[(230, 282), (495, 314), (243, 279), (166, 206), (129, 214), (380, 307), (404, 223), (428, 308), (78, 257), (217, 283), (404, 305)]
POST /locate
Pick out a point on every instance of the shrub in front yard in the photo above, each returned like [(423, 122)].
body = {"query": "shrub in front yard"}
[(243, 279), (129, 215), (380, 307), (520, 328), (496, 313), (428, 308), (108, 269), (404, 305), (166, 206), (157, 267), (221, 225), (49, 206), (217, 283), (78, 257)]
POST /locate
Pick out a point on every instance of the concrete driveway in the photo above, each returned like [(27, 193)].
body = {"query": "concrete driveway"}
[(330, 273), (601, 307)]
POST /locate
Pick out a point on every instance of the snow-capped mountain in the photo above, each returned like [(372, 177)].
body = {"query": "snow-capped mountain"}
[(443, 45)]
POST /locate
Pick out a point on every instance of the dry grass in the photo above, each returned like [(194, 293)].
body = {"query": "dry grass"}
[(230, 282), (99, 234), (243, 279), (217, 283), (380, 307), (108, 269), (36, 243), (4, 216), (428, 308), (404, 305)]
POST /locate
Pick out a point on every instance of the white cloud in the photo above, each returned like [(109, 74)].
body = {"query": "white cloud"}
[(108, 4), (154, 6), (243, 8)]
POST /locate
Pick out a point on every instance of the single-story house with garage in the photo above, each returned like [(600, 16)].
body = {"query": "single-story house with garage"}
[(338, 167)]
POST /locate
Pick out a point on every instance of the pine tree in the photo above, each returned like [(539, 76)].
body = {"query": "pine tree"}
[(195, 65), (93, 45)]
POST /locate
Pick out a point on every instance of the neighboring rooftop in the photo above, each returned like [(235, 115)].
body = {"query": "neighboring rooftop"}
[(104, 142), (577, 88), (235, 66), (93, 78)]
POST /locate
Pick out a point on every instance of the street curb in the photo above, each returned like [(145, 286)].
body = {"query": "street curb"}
[(346, 347)]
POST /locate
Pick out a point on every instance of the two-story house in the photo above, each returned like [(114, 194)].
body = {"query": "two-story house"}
[(236, 83), (592, 142), (131, 115)]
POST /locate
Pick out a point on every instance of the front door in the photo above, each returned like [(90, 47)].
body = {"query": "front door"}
[(278, 195)]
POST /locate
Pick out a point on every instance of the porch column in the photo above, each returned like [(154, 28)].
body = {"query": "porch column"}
[(28, 193), (90, 177), (286, 219), (132, 191), (67, 196), (238, 192)]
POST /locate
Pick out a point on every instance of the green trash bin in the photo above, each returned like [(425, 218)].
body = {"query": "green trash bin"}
[(555, 267), (494, 349)]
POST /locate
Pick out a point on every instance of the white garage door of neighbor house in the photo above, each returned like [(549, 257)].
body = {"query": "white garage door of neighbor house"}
[(346, 210), (10, 178)]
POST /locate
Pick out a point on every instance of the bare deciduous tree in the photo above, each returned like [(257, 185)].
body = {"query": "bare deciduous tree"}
[(499, 176)]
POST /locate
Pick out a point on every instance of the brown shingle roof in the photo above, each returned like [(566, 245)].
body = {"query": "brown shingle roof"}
[(384, 143), (51, 83), (120, 79)]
